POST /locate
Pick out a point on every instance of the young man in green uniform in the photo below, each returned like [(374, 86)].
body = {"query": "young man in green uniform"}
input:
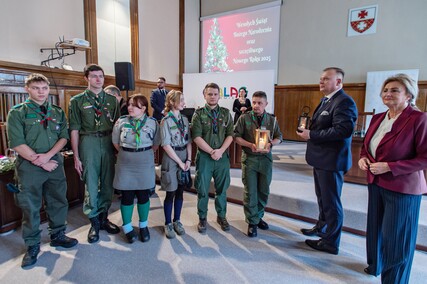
[(37, 131), (257, 164), (212, 131), (92, 115)]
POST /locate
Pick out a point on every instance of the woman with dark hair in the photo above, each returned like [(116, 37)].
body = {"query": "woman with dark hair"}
[(242, 104), (176, 142), (135, 136), (394, 155)]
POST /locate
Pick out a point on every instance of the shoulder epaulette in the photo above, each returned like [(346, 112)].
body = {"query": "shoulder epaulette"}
[(123, 116), (152, 118), (18, 106), (56, 106)]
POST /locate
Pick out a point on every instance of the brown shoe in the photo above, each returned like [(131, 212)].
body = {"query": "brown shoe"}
[(222, 221), (201, 227)]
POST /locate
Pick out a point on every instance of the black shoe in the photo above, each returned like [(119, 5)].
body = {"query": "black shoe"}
[(322, 246), (222, 221), (131, 236), (144, 234), (311, 232), (252, 231), (369, 271), (61, 240), (201, 227), (106, 225), (263, 225), (30, 256), (93, 235)]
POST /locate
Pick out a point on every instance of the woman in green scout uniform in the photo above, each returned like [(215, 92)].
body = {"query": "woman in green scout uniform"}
[(135, 136), (176, 141)]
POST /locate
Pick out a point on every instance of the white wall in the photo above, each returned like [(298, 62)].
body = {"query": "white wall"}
[(313, 36), (113, 32), (192, 36), (159, 40), (27, 26)]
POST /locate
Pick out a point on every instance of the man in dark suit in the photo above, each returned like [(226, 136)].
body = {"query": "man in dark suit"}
[(158, 99), (329, 152)]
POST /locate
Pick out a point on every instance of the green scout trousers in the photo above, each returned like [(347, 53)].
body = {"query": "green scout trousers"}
[(36, 184), (256, 178), (206, 168), (97, 156)]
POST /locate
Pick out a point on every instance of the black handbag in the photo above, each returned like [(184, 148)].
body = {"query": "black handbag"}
[(184, 178)]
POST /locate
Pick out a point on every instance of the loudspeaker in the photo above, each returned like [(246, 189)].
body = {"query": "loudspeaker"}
[(124, 76)]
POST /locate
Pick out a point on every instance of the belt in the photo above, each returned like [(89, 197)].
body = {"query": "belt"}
[(177, 148), (97, 133), (136, 149)]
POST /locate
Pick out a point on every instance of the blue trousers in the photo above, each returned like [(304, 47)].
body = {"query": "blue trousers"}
[(391, 233), (328, 187)]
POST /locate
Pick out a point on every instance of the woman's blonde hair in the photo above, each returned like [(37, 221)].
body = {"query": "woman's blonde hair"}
[(409, 84), (172, 98)]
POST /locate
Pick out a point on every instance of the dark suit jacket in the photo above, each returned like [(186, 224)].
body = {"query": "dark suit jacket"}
[(158, 103), (404, 148), (331, 129)]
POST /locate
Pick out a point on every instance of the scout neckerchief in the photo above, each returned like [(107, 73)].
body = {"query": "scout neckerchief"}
[(137, 125), (214, 114), (258, 119), (97, 106), (179, 123), (41, 110)]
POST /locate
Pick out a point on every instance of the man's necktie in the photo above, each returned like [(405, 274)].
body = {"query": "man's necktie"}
[(323, 101)]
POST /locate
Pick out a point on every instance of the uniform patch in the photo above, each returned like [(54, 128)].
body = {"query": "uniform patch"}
[(173, 127), (31, 115)]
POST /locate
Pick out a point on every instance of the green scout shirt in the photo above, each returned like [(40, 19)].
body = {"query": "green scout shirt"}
[(171, 134), (81, 112), (201, 126), (25, 126), (124, 135), (248, 123)]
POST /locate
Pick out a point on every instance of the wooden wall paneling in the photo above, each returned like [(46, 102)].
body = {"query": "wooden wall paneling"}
[(134, 37), (90, 31), (181, 40)]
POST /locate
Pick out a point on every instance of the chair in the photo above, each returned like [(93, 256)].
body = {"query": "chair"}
[(363, 118)]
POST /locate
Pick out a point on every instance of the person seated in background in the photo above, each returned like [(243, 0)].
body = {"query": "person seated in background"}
[(114, 91), (37, 131), (136, 136), (242, 104)]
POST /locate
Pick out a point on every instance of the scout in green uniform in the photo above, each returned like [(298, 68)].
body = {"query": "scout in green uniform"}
[(257, 165), (212, 131), (176, 142), (37, 131), (92, 115)]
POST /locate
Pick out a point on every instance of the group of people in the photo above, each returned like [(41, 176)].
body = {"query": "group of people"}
[(394, 156)]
